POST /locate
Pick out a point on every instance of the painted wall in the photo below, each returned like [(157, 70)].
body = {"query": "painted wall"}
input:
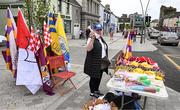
[(101, 14)]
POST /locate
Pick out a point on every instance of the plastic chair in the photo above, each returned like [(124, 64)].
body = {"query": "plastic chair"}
[(60, 78)]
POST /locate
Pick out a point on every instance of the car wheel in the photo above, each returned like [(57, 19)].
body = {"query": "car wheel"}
[(157, 41), (176, 44), (160, 43)]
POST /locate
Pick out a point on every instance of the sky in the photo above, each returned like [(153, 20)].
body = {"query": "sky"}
[(119, 7)]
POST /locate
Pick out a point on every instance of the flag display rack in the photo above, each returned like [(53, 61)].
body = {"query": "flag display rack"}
[(27, 51)]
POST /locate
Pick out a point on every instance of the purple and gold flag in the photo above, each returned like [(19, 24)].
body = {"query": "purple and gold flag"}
[(128, 49), (11, 51)]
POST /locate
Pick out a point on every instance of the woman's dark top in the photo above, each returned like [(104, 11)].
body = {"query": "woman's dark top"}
[(92, 66)]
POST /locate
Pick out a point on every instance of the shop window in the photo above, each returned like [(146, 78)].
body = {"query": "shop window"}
[(67, 26)]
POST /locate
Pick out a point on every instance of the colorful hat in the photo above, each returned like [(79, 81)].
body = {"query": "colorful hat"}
[(98, 26)]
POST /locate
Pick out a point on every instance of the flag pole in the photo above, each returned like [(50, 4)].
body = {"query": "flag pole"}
[(29, 14)]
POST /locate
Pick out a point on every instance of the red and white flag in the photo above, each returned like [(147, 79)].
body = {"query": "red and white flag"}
[(34, 41), (47, 37)]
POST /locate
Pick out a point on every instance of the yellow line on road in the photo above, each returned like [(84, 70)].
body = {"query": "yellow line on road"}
[(175, 64), (175, 56)]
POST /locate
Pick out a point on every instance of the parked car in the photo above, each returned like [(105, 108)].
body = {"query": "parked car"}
[(168, 38), (178, 34), (2, 40), (154, 33), (149, 30)]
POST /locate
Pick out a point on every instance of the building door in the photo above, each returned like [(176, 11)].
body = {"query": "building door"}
[(76, 30)]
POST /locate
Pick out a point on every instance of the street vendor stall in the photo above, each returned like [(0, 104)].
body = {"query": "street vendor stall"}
[(139, 75)]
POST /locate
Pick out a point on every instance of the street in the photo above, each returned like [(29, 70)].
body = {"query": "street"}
[(168, 58)]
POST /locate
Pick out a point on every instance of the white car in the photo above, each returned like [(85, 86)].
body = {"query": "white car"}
[(2, 40), (154, 34), (168, 38)]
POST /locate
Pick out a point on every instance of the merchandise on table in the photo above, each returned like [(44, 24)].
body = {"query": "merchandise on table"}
[(137, 81), (142, 65)]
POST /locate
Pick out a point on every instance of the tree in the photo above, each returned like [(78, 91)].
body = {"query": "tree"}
[(36, 12)]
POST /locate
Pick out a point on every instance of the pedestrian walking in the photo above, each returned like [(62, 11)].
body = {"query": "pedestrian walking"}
[(80, 34), (97, 49), (111, 33)]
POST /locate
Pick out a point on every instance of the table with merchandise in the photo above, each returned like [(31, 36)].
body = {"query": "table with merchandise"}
[(142, 78)]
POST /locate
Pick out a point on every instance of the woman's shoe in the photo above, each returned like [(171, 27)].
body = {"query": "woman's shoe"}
[(98, 93), (94, 95)]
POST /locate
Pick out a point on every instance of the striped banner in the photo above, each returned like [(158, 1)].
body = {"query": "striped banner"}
[(128, 49), (11, 51)]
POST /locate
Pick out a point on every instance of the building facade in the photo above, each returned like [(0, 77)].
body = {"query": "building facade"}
[(106, 23), (13, 5), (123, 23), (154, 23), (172, 22), (101, 14), (90, 12), (70, 11), (136, 20), (165, 12)]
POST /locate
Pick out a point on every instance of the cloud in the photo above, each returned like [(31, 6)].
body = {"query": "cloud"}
[(120, 7)]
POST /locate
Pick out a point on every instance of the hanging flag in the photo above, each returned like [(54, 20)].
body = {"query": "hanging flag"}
[(34, 41), (23, 33), (62, 38), (11, 51), (44, 71), (31, 40), (128, 48), (55, 45), (28, 73), (47, 37)]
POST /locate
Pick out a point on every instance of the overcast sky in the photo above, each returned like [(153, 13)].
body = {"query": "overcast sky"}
[(120, 7)]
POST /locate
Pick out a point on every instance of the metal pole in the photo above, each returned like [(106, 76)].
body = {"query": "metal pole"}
[(143, 20), (147, 7), (144, 14)]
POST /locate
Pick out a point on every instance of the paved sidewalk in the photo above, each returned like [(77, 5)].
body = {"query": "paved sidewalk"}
[(14, 97)]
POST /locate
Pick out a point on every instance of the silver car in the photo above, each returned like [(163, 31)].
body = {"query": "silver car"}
[(2, 40), (168, 38), (154, 34)]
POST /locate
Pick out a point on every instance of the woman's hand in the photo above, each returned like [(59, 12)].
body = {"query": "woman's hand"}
[(92, 35), (90, 41)]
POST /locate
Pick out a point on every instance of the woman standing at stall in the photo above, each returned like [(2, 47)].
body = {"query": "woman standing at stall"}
[(97, 49)]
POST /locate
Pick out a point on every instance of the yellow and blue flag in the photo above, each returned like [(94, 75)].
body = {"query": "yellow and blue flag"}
[(55, 45), (62, 38)]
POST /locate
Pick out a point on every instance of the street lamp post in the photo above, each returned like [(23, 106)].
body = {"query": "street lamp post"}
[(143, 21), (144, 14)]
